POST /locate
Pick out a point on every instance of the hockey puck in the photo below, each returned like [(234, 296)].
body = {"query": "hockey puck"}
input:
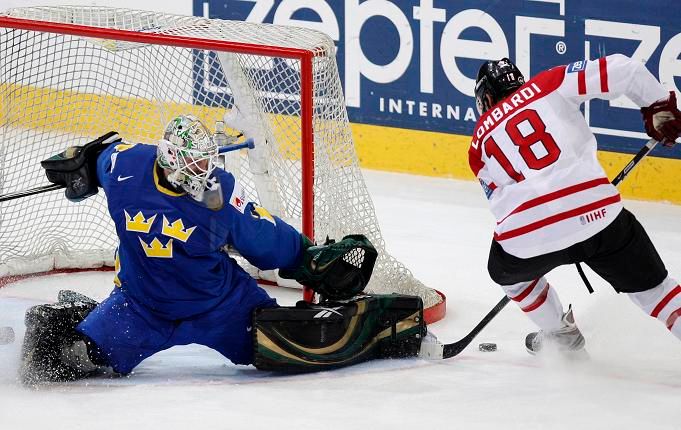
[(487, 347), (6, 335)]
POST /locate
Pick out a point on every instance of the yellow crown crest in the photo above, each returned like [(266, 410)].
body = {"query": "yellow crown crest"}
[(138, 223), (156, 249), (176, 229)]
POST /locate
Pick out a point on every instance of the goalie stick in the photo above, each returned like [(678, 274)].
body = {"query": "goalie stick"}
[(435, 350), (30, 192), (248, 144)]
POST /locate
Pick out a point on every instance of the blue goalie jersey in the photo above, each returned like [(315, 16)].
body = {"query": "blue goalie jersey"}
[(170, 256)]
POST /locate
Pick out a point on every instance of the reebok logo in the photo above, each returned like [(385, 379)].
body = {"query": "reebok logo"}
[(327, 312), (123, 178)]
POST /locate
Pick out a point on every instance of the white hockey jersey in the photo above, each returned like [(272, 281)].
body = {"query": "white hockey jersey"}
[(535, 155)]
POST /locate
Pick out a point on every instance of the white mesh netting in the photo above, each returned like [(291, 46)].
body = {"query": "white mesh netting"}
[(59, 90)]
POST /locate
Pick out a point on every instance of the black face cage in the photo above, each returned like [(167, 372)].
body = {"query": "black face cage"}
[(482, 88)]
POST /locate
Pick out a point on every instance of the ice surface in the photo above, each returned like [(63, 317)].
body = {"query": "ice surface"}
[(441, 229)]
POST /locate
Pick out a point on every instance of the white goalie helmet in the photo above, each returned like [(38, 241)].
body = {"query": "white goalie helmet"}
[(189, 152)]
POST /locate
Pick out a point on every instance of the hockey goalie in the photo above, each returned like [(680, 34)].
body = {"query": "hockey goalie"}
[(175, 212)]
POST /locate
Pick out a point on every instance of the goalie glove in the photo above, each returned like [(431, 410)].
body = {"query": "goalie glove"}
[(662, 120), (335, 270), (76, 167)]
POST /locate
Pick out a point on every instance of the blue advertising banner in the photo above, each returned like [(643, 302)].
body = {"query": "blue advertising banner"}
[(412, 63)]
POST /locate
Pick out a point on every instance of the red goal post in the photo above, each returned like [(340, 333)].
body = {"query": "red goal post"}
[(299, 105)]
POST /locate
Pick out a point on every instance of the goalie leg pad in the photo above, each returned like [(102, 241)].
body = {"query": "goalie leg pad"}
[(311, 337), (53, 350)]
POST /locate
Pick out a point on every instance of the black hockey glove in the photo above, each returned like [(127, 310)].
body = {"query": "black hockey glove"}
[(336, 270), (76, 167)]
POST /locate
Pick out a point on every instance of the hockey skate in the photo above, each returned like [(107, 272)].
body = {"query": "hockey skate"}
[(567, 339)]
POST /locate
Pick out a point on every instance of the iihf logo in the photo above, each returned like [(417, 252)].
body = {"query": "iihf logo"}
[(593, 216)]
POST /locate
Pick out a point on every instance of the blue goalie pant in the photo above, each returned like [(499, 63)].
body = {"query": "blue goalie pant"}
[(127, 332)]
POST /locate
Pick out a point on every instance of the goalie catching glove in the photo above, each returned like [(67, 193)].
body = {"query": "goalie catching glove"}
[(76, 167), (335, 270)]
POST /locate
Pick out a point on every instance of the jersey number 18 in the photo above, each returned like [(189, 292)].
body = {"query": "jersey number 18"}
[(524, 143)]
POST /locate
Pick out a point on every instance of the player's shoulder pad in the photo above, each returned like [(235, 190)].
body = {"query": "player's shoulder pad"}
[(124, 146), (125, 153), (549, 80)]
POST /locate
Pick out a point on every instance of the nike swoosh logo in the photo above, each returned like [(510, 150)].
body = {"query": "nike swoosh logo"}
[(248, 328), (123, 178), (314, 265)]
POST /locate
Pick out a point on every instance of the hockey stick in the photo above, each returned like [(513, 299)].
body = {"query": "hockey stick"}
[(45, 188), (30, 192), (248, 143), (436, 350), (649, 146)]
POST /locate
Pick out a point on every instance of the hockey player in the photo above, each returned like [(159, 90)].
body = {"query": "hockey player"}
[(535, 157), (174, 212)]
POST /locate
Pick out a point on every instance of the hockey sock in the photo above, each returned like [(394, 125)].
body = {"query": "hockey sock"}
[(539, 301), (662, 302)]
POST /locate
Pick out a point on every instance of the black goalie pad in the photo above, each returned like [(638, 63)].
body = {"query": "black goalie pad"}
[(314, 337)]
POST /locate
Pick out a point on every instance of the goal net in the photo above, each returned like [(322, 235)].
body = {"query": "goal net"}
[(70, 74)]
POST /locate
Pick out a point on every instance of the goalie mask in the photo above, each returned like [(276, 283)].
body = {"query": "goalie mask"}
[(495, 81), (189, 152)]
